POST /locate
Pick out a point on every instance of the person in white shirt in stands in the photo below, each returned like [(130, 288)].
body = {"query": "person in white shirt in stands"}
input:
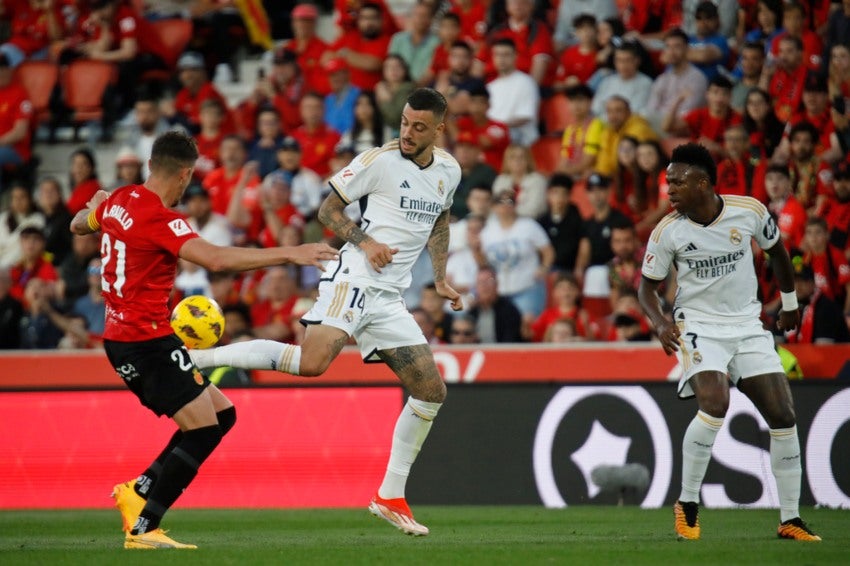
[(715, 330), (514, 96), (626, 82), (212, 226), (680, 78)]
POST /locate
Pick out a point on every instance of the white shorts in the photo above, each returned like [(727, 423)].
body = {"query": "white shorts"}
[(741, 350), (377, 319)]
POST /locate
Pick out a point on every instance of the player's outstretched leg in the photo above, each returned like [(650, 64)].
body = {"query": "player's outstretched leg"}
[(253, 354), (130, 496)]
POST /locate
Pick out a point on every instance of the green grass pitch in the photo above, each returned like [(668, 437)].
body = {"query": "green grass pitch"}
[(459, 535)]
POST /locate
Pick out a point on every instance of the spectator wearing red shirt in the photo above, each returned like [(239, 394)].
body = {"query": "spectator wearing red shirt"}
[(283, 89), (816, 111), (784, 79), (83, 180), (364, 51), (278, 209), (316, 139), (308, 47), (234, 189), (838, 209), (790, 214), (578, 62), (448, 33), (210, 137), (196, 89), (15, 116), (347, 12), (272, 317), (491, 136), (35, 23), (794, 24), (532, 38), (737, 173), (832, 272), (811, 176), (566, 305), (473, 20), (706, 125), (33, 263)]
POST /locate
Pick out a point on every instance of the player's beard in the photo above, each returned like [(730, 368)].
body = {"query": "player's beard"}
[(413, 154)]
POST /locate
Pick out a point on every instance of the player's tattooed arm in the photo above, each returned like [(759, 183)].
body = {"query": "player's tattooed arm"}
[(332, 215), (438, 246)]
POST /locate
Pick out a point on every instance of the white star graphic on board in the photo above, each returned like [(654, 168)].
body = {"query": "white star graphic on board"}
[(601, 448)]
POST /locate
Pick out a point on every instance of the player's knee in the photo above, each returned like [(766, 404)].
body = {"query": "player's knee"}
[(312, 365), (783, 417), (226, 419), (716, 406)]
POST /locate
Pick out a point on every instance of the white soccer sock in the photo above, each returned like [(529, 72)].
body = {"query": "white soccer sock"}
[(253, 354), (696, 453), (411, 430), (785, 463)]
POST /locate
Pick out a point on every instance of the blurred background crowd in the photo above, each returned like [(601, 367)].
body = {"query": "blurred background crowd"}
[(562, 118)]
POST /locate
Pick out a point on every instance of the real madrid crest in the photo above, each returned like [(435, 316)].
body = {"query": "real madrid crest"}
[(348, 316), (697, 358), (441, 189), (735, 237)]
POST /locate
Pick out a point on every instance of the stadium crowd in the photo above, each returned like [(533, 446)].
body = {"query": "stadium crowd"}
[(562, 118)]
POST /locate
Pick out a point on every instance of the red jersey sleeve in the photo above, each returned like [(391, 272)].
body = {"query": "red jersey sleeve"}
[(169, 231)]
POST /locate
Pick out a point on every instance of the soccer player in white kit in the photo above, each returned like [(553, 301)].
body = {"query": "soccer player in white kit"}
[(716, 329), (409, 185)]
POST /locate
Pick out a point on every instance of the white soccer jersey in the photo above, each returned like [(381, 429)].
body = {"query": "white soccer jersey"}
[(716, 277), (403, 202)]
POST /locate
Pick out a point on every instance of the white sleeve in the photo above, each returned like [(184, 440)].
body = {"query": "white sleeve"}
[(359, 178), (659, 256)]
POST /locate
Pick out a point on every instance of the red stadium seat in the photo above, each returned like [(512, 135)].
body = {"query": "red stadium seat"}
[(174, 34), (38, 78), (555, 114), (546, 152), (83, 83)]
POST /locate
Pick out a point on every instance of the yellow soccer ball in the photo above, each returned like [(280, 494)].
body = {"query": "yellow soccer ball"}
[(198, 321)]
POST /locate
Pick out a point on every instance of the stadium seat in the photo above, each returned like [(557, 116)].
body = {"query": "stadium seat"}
[(546, 152), (174, 34), (38, 78), (83, 85), (555, 114)]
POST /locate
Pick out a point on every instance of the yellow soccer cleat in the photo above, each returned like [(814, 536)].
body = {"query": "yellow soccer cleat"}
[(128, 502), (153, 540), (687, 520), (796, 529), (397, 513)]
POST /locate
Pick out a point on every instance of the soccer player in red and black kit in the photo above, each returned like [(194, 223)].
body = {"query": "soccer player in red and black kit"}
[(142, 239)]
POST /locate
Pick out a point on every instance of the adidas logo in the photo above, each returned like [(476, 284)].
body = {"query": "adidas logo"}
[(691, 247), (404, 185)]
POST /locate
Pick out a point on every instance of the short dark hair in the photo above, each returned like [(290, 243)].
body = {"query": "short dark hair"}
[(804, 126), (452, 17), (504, 41), (172, 151), (584, 20), (461, 44), (630, 47), (677, 33), (818, 221), (561, 180), (696, 155), (755, 46), (721, 82), (428, 99), (798, 43), (777, 168)]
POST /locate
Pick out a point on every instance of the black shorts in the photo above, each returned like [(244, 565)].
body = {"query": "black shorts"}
[(159, 371)]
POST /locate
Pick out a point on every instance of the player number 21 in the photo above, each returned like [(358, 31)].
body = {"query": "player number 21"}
[(120, 249)]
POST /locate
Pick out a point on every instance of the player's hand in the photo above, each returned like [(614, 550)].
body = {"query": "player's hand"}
[(788, 320), (313, 254), (96, 199), (668, 333), (378, 254), (445, 290)]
